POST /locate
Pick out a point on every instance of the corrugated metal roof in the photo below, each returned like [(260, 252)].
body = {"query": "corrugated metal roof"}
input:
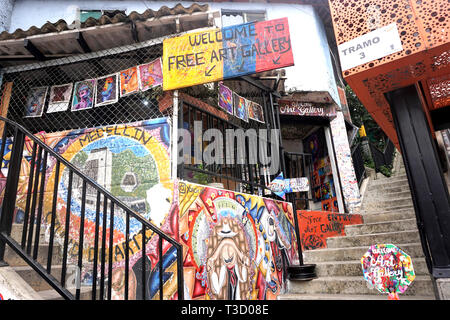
[(56, 40), (106, 19)]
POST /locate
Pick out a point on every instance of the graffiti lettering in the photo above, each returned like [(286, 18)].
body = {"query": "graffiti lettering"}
[(125, 131)]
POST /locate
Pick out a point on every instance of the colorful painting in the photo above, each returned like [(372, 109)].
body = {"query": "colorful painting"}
[(240, 107), (215, 54), (255, 112), (35, 103), (280, 186), (60, 98), (316, 226), (225, 98), (129, 81), (83, 95), (236, 245), (150, 75), (107, 91), (388, 269), (132, 161)]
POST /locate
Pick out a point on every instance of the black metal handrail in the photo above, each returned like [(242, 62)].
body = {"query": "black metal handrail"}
[(33, 214), (382, 158), (358, 163)]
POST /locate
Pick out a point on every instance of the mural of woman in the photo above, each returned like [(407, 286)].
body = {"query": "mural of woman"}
[(83, 95), (233, 262)]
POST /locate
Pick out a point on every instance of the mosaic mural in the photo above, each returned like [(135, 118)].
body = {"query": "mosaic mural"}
[(235, 245), (132, 161)]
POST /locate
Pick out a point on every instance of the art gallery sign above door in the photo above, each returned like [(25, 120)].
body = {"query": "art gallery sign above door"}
[(296, 108), (216, 54)]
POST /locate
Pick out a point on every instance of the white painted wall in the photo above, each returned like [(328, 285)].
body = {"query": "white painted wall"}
[(313, 67), (6, 7)]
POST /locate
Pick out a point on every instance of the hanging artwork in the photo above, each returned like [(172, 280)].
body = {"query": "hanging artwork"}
[(255, 112), (225, 98), (150, 75), (240, 107), (129, 81), (83, 95), (106, 91), (59, 98), (35, 102)]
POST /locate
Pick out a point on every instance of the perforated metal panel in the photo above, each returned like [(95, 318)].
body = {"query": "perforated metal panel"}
[(424, 31)]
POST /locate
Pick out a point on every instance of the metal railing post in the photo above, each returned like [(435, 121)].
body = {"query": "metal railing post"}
[(12, 181)]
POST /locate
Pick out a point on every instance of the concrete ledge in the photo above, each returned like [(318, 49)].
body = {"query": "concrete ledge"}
[(443, 287), (12, 286)]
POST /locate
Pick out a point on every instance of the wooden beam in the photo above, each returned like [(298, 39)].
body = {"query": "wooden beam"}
[(82, 42), (31, 48), (134, 32)]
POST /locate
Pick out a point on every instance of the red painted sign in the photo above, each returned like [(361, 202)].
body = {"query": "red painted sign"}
[(296, 108), (316, 226)]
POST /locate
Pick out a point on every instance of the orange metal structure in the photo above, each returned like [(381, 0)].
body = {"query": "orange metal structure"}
[(424, 30)]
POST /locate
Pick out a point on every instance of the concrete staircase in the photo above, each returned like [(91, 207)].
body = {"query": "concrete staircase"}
[(37, 284), (388, 216)]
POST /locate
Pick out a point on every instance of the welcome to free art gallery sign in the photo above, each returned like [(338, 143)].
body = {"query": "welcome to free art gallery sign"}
[(216, 54)]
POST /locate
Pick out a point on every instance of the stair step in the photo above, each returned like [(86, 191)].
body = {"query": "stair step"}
[(14, 259), (17, 230), (421, 285), (395, 178), (380, 227), (387, 194), (387, 201), (407, 236), (355, 253), (86, 294), (389, 216), (386, 184), (393, 208), (380, 296), (353, 268), (387, 189), (34, 279)]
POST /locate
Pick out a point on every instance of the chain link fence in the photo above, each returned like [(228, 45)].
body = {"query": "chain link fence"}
[(141, 105)]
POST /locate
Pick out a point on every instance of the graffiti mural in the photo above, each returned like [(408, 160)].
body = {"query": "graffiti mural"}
[(350, 188), (236, 245), (316, 226), (132, 161)]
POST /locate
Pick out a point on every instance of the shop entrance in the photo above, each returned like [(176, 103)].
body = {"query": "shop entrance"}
[(309, 152)]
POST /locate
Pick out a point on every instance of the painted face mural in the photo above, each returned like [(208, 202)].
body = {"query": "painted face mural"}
[(236, 244)]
